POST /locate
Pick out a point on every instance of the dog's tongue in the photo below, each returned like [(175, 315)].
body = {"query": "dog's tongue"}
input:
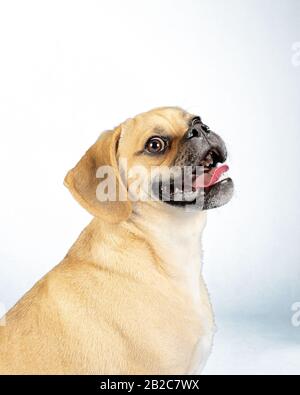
[(212, 177)]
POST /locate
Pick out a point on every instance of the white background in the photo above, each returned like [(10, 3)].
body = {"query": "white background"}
[(71, 69)]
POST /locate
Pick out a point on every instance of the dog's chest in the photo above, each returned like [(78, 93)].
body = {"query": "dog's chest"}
[(185, 258), (203, 346), (186, 327), (191, 343)]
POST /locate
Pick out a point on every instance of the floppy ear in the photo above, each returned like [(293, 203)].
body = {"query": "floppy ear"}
[(83, 183)]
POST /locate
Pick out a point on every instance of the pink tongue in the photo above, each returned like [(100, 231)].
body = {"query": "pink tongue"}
[(212, 177)]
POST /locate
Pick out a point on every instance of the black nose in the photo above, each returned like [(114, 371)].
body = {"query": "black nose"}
[(197, 130)]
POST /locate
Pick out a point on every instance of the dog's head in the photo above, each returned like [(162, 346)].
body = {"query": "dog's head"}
[(165, 156)]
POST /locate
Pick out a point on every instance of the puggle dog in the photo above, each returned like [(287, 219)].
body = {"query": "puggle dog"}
[(129, 297)]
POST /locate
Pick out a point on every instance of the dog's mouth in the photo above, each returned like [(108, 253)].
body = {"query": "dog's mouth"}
[(211, 170), (203, 185)]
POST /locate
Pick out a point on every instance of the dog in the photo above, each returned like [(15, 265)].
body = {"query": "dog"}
[(129, 297)]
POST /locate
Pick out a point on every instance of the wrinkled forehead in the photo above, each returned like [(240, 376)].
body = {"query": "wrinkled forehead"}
[(163, 121)]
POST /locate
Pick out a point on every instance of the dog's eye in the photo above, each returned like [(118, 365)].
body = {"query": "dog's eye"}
[(156, 145)]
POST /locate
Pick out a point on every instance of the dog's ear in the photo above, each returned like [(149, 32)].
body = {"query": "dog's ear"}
[(82, 180)]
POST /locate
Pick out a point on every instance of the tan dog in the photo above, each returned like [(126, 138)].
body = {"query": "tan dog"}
[(129, 297)]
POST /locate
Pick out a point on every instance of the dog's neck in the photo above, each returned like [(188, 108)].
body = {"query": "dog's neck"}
[(169, 224), (176, 236), (173, 235)]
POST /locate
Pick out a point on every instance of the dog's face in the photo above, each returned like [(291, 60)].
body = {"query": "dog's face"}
[(178, 157)]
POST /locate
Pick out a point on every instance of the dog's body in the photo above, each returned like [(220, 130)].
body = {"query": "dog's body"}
[(128, 298), (119, 302)]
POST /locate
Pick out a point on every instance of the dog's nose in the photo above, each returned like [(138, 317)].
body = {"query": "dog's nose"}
[(198, 130)]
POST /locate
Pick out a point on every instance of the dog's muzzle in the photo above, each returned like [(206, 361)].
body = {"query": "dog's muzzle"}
[(202, 155)]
